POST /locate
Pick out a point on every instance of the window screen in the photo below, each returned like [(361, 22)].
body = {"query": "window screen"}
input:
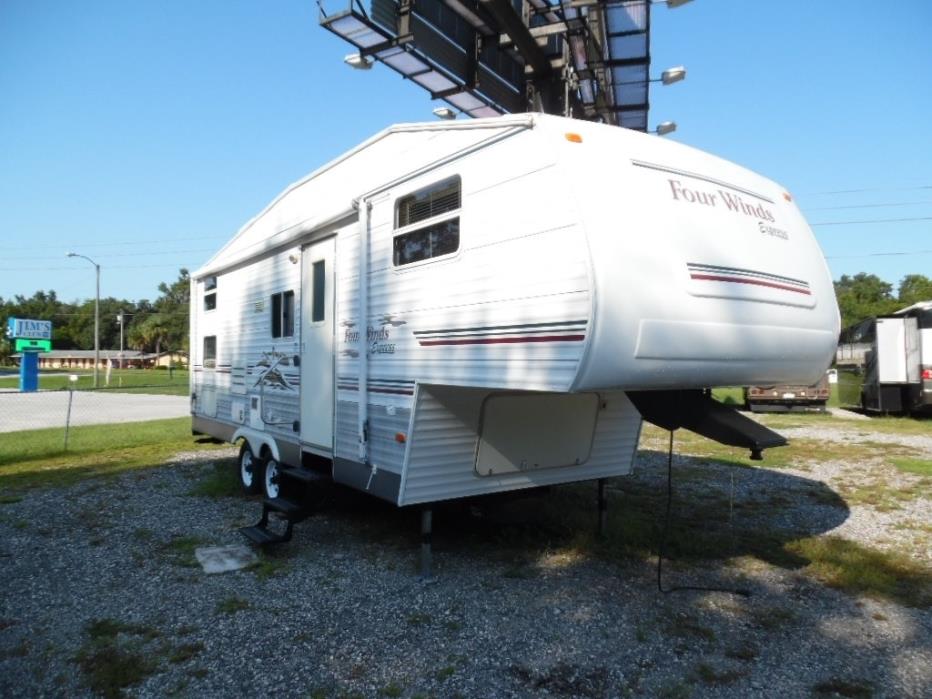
[(276, 315), (432, 241), (210, 299), (283, 314), (288, 314), (320, 291), (210, 352), (431, 201)]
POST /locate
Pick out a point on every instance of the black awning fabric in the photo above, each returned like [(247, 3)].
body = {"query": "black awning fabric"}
[(697, 411)]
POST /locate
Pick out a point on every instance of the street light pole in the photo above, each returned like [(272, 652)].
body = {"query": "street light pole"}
[(120, 317), (96, 319)]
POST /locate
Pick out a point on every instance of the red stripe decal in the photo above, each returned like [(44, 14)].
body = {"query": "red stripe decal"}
[(398, 392), (756, 282), (504, 340)]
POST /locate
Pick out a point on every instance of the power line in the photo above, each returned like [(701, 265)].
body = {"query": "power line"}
[(866, 189), (137, 241), (880, 254), (869, 206), (74, 268), (873, 220), (116, 254)]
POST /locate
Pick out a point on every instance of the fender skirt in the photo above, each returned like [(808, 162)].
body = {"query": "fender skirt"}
[(697, 411)]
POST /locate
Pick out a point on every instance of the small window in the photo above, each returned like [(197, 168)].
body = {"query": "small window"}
[(210, 352), (283, 314), (210, 293), (433, 241), (431, 201), (320, 290), (436, 238)]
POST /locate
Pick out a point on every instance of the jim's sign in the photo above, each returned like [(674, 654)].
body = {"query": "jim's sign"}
[(29, 329)]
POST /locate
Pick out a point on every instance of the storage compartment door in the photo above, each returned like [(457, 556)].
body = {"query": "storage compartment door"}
[(891, 350), (528, 432)]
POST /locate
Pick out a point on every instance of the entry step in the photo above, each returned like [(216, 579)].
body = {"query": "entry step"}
[(261, 536), (289, 508), (303, 474)]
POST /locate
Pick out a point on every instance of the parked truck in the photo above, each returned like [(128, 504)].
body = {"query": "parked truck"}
[(788, 397)]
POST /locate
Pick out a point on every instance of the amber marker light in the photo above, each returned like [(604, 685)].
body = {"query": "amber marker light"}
[(400, 437), (786, 195), (573, 137)]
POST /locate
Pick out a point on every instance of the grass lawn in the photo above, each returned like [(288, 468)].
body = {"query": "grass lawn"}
[(36, 458), (135, 380)]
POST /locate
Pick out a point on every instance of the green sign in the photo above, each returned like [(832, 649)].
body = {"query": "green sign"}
[(22, 345)]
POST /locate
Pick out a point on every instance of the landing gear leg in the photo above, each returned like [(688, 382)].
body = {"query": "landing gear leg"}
[(603, 508), (427, 528)]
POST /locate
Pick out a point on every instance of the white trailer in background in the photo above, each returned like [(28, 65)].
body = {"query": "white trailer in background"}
[(457, 309), (898, 365)]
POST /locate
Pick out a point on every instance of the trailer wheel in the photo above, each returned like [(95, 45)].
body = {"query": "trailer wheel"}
[(271, 478), (250, 470)]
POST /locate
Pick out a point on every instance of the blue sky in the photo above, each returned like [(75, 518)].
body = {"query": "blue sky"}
[(143, 134)]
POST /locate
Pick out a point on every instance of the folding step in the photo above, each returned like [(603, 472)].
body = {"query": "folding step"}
[(261, 536), (302, 474), (290, 509)]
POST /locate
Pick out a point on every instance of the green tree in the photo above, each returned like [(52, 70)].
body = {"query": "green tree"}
[(163, 324), (863, 296), (914, 288)]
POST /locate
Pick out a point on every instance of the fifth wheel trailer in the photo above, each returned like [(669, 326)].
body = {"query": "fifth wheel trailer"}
[(458, 309), (898, 365)]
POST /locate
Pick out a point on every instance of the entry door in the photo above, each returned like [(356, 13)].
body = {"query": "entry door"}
[(317, 344)]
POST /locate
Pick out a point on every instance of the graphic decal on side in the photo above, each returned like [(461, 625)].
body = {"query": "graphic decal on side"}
[(737, 275), (271, 372), (559, 331)]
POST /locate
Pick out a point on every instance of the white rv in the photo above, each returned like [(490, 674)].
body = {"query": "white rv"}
[(898, 365), (461, 308)]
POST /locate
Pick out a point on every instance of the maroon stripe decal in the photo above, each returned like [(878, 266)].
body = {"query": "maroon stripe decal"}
[(503, 340), (744, 280), (393, 391)]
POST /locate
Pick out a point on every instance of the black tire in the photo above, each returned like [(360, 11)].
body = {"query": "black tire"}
[(251, 470), (273, 483)]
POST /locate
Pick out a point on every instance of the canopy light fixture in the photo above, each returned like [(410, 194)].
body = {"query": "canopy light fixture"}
[(444, 113), (673, 75), (358, 62), (665, 127)]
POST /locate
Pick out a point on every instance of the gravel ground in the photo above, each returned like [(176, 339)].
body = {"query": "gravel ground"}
[(340, 611)]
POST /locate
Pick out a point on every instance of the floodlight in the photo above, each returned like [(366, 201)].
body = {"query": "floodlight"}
[(444, 113), (673, 75), (665, 127), (358, 62)]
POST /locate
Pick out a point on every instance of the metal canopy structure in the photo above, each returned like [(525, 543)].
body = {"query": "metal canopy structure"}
[(588, 59)]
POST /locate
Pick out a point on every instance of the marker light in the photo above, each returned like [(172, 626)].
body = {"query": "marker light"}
[(573, 137)]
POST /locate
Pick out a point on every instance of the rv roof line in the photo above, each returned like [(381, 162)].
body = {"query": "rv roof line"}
[(516, 123), (525, 120)]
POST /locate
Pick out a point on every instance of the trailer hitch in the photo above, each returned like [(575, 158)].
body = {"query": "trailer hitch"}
[(697, 411)]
